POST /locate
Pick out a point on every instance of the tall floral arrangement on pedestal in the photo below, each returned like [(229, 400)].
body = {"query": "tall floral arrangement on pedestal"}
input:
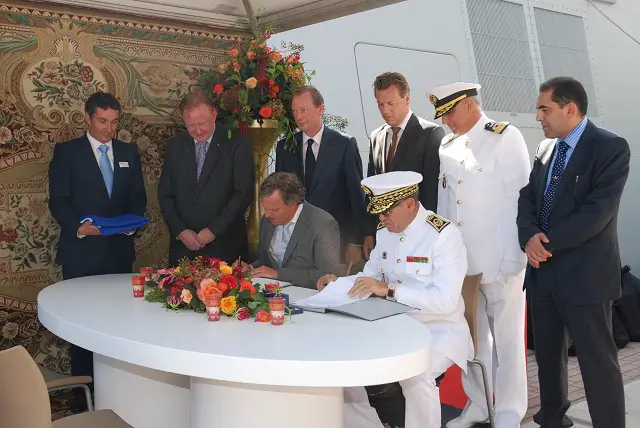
[(256, 83)]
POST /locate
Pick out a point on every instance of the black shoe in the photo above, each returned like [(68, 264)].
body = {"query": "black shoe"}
[(565, 423)]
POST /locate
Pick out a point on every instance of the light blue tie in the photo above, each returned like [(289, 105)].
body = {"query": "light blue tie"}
[(284, 242), (105, 168)]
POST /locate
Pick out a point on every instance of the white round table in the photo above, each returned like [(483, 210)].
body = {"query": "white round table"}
[(157, 368)]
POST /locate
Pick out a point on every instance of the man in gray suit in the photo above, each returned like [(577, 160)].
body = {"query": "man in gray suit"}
[(299, 243)]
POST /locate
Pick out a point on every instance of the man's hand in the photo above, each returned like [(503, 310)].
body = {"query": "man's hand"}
[(366, 285), (205, 236), (536, 253), (369, 243), (322, 282), (190, 239), (354, 254), (88, 229), (264, 272)]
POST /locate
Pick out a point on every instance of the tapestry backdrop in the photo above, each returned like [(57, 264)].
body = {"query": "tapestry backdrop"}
[(52, 58)]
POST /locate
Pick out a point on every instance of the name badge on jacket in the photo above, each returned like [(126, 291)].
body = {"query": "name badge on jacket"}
[(123, 164)]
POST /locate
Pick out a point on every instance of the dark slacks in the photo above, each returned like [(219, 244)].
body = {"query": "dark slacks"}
[(590, 328)]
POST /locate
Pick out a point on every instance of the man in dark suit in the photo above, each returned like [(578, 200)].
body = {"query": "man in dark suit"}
[(328, 163), (206, 186), (405, 142), (298, 241), (567, 225), (95, 175)]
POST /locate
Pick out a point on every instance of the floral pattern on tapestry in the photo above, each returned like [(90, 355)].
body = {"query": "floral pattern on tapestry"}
[(53, 58)]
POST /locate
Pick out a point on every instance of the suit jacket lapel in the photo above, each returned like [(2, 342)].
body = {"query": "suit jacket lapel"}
[(213, 154), (326, 148), (380, 150), (578, 157), (298, 157), (118, 156), (545, 159), (298, 231), (407, 139), (191, 161)]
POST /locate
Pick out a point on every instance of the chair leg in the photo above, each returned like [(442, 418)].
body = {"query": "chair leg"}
[(87, 394), (487, 391)]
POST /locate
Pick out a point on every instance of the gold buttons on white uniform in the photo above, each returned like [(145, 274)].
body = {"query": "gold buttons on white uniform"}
[(460, 223), (459, 202)]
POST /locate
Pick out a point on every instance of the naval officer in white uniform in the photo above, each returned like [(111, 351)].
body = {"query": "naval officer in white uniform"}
[(419, 260), (483, 166)]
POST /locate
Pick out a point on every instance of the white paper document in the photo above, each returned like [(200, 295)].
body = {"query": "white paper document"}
[(334, 298), (334, 294)]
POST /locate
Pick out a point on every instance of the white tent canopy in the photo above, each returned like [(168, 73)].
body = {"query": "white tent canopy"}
[(237, 14)]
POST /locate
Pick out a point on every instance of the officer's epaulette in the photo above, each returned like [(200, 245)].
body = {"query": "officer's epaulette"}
[(449, 138), (437, 222), (497, 127)]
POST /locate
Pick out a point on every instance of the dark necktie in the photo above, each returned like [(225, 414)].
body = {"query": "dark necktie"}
[(392, 149), (556, 174), (309, 165)]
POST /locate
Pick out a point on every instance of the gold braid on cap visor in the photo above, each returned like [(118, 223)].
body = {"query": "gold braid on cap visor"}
[(381, 203), (445, 108)]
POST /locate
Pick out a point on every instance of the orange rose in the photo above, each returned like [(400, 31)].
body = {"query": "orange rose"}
[(276, 55), (266, 112), (234, 52), (186, 296), (275, 88), (251, 54), (246, 285), (251, 82)]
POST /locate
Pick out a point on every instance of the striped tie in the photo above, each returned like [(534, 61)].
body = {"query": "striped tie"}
[(202, 153)]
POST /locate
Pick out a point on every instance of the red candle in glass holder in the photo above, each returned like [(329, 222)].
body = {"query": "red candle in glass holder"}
[(213, 308), (146, 272), (137, 282), (276, 307)]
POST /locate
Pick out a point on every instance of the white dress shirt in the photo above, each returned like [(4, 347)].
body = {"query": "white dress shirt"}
[(94, 146), (277, 234), (315, 147)]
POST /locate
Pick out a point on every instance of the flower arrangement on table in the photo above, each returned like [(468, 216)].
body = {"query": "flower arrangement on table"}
[(210, 282), (257, 83)]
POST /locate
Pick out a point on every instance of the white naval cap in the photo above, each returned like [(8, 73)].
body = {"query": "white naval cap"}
[(444, 98), (384, 190)]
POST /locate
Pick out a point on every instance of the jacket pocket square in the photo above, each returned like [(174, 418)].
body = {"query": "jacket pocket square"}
[(123, 164)]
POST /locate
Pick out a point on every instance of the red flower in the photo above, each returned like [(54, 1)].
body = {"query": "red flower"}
[(87, 73), (271, 82), (263, 316), (212, 262), (275, 88), (246, 285), (266, 112), (229, 281), (242, 314), (218, 88)]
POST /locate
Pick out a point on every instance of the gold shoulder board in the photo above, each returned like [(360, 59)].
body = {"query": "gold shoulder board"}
[(497, 127), (380, 225), (437, 222)]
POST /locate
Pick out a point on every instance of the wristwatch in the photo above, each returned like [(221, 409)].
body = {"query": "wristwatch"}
[(391, 291)]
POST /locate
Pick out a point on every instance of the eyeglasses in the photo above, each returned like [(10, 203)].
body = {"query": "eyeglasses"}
[(387, 212)]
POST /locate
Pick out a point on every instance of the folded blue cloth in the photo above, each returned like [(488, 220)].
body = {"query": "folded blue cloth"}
[(115, 225)]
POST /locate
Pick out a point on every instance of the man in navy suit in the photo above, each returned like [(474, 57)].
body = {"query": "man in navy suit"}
[(95, 175), (567, 225), (328, 162)]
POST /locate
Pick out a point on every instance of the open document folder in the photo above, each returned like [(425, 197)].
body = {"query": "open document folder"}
[(334, 298)]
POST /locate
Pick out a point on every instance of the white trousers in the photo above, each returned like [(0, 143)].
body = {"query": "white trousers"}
[(421, 396), (501, 337)]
